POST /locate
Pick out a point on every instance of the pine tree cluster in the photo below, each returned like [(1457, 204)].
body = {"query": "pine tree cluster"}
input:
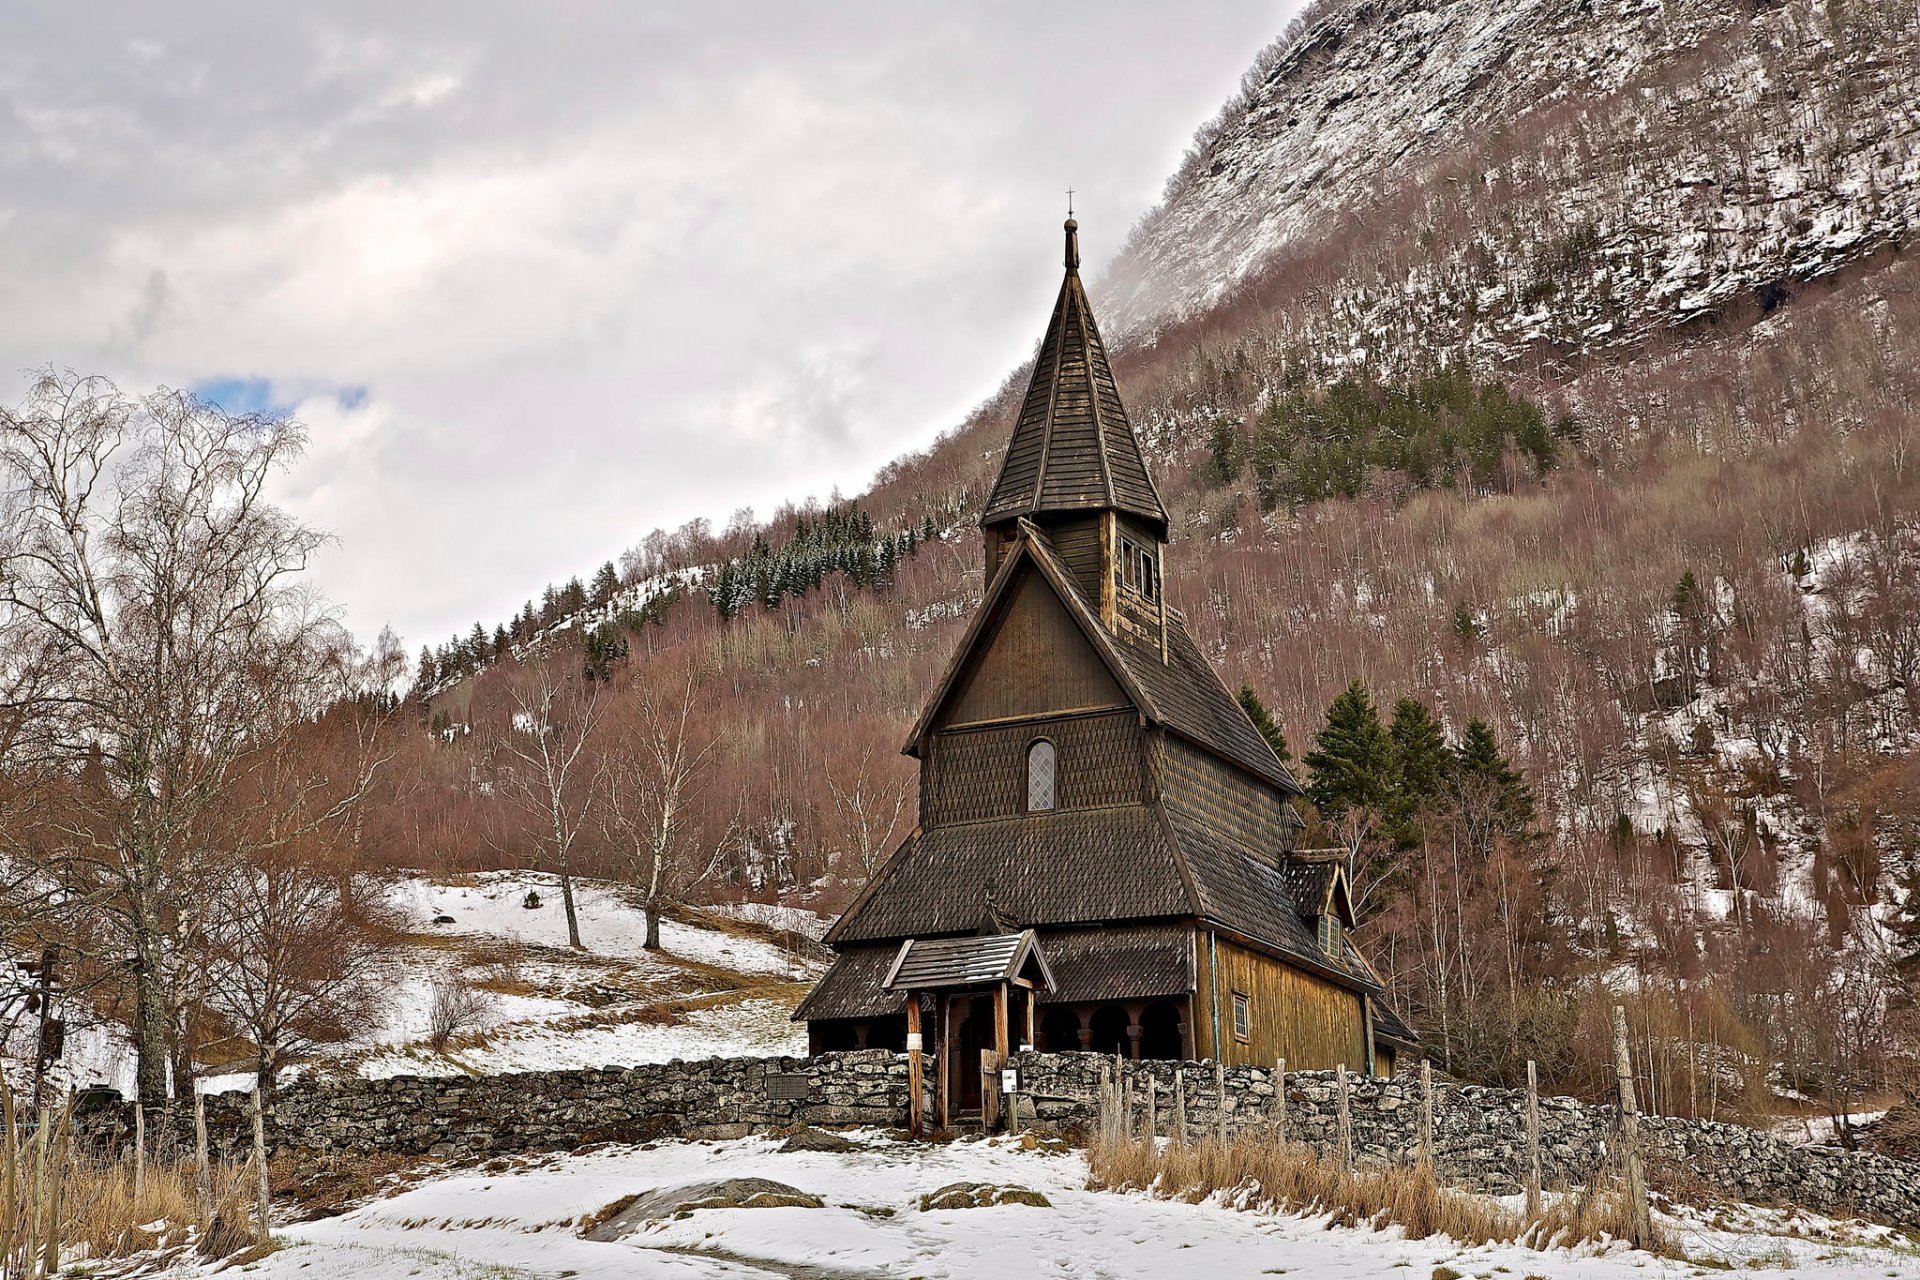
[(462, 656), (1308, 445), (841, 540)]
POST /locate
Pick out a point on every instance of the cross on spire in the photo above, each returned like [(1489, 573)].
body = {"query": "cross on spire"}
[(1069, 202)]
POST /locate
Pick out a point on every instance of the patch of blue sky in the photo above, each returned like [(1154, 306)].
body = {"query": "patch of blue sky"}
[(261, 395)]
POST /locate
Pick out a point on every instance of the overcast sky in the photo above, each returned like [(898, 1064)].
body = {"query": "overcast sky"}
[(542, 277)]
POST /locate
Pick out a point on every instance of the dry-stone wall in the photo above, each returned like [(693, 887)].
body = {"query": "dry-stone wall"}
[(1479, 1133)]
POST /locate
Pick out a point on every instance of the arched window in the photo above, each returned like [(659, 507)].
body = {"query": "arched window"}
[(1039, 775)]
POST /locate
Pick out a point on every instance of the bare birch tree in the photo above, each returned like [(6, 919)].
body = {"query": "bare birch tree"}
[(653, 798), (542, 768), (151, 612)]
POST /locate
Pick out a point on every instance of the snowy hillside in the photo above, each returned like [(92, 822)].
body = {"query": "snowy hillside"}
[(1651, 163), (495, 944)]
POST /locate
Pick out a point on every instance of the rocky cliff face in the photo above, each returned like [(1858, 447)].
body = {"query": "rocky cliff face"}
[(1646, 164)]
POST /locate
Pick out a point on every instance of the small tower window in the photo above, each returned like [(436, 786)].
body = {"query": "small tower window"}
[(1330, 934), (1040, 775), (1138, 569)]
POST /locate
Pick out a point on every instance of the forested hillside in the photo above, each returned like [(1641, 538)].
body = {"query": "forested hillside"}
[(1547, 365), (1536, 381)]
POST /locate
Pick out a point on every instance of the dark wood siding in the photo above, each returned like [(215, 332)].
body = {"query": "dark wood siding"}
[(1036, 661), (974, 774), (1305, 1019), (1080, 548), (1199, 785)]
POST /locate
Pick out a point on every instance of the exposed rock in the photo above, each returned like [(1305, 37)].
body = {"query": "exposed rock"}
[(728, 1193), (807, 1138), (981, 1195)]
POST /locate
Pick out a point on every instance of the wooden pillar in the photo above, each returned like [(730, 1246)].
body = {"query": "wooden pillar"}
[(914, 1080), (992, 1060), (946, 1062), (1029, 1040)]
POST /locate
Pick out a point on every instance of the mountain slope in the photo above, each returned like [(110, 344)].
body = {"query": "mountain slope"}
[(1652, 164)]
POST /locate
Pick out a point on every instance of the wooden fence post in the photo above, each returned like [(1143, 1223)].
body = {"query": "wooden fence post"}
[(30, 1234), (9, 1219), (260, 1164), (1426, 1113), (1220, 1102), (1533, 1140), (1640, 1221), (56, 1181), (1346, 1118), (1153, 1106), (1280, 1100), (202, 1171), (1180, 1104), (139, 1151)]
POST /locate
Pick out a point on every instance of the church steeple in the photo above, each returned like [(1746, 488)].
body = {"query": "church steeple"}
[(1073, 452)]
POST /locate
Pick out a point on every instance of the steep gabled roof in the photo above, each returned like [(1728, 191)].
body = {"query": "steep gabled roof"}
[(1182, 694), (932, 964), (1073, 448)]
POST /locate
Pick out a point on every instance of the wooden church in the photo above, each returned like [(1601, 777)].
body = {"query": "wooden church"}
[(1104, 858)]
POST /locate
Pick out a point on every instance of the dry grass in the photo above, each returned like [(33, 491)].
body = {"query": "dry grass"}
[(1290, 1178), (99, 1216)]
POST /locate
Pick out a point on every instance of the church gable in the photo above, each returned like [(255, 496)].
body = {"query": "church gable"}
[(1033, 661)]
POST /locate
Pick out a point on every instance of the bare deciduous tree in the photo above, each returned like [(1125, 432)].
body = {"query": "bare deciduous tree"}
[(153, 626), (552, 714), (651, 779)]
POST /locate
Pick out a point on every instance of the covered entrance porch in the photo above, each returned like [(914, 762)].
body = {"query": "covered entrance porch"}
[(979, 995)]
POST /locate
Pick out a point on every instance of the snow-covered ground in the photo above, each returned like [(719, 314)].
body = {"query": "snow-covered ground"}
[(524, 1221), (711, 992)]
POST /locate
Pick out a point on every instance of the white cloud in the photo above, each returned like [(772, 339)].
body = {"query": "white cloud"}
[(596, 269)]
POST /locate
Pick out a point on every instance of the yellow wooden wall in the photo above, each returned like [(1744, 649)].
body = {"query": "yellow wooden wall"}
[(1307, 1020)]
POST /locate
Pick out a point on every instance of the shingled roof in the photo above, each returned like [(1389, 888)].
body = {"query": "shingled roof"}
[(1073, 448)]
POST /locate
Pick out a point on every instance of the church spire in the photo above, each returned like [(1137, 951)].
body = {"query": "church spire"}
[(1073, 451)]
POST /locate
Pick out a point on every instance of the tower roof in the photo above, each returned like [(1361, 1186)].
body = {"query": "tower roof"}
[(1073, 448)]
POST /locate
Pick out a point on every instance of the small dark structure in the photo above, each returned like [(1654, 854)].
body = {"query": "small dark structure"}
[(1088, 784)]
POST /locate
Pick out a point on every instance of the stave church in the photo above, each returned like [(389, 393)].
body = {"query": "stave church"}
[(1104, 857)]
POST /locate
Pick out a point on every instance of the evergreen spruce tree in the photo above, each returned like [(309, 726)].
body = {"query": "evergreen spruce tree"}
[(1263, 721), (1422, 766), (1904, 925), (425, 676), (1479, 766), (1351, 764), (605, 582), (502, 642)]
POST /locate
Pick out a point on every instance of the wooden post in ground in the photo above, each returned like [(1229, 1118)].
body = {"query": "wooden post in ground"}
[(1126, 1109), (1280, 1100), (1346, 1117), (56, 1182), (1639, 1220), (1180, 1104), (264, 1190), (139, 1152), (1153, 1120), (30, 1231), (9, 1181), (202, 1170), (1220, 1101), (946, 1064), (1533, 1140), (915, 1071), (1426, 1113)]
